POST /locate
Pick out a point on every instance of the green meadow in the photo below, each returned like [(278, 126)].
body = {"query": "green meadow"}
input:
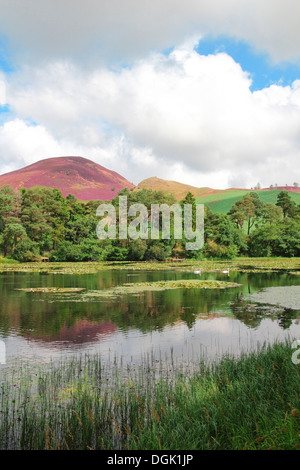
[(222, 201)]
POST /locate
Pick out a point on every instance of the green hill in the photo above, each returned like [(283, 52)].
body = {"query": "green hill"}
[(222, 201)]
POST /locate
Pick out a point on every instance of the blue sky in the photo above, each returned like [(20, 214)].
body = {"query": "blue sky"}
[(209, 95), (263, 71)]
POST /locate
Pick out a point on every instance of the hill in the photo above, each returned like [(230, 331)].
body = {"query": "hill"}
[(87, 180), (222, 201), (179, 190), (79, 176), (219, 200)]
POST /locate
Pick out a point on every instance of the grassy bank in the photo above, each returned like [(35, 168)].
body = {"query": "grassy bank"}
[(248, 403)]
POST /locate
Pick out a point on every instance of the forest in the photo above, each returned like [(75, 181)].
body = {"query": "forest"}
[(39, 223)]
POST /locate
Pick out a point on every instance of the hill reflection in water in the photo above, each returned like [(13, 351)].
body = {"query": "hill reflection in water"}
[(187, 320)]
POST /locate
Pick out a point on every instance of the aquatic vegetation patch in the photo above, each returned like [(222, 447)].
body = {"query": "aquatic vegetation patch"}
[(79, 294), (140, 287), (52, 290)]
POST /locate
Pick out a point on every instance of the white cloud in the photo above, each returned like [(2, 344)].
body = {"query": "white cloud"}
[(180, 116), (124, 30), (21, 144)]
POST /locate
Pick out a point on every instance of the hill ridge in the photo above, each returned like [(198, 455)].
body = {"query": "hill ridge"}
[(76, 175), (88, 180)]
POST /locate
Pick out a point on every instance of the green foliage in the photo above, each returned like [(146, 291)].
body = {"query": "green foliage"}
[(146, 196), (276, 239), (269, 213), (44, 213), (213, 250), (39, 221), (137, 249), (156, 252), (247, 210), (222, 237), (262, 239), (7, 201), (288, 243), (288, 206), (86, 250), (26, 250), (117, 253)]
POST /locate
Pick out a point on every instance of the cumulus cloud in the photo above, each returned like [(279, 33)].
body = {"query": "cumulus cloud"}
[(21, 143), (180, 116), (125, 30)]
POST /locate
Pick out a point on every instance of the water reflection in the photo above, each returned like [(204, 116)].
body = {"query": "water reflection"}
[(189, 322)]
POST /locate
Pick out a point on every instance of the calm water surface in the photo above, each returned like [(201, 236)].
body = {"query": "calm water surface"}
[(182, 324)]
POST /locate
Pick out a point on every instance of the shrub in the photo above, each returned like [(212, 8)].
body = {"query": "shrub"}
[(26, 251), (213, 250)]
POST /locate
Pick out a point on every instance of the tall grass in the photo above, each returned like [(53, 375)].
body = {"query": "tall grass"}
[(247, 403)]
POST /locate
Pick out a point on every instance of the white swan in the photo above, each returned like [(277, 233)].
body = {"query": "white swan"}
[(226, 271)]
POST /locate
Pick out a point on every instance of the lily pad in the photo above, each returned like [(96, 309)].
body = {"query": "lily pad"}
[(51, 290), (140, 287)]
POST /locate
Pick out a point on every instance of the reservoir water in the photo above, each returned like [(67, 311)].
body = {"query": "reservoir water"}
[(182, 325)]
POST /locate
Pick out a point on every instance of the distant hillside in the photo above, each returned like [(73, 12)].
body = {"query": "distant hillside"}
[(79, 176), (87, 180), (179, 190), (222, 201), (219, 200)]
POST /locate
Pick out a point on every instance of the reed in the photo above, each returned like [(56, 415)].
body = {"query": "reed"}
[(251, 402)]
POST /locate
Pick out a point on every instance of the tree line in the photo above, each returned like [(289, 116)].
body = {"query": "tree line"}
[(40, 222)]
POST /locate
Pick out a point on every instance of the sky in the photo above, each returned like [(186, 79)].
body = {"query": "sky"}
[(204, 92)]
